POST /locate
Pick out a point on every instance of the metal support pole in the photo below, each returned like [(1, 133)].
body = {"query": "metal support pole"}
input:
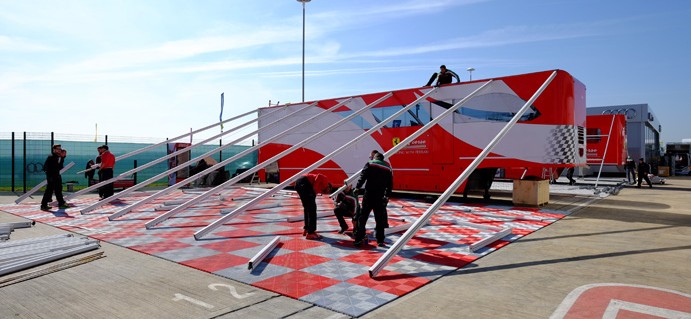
[(303, 50), (486, 241), (604, 154), (419, 132), (13, 165), (141, 150), (263, 253), (48, 258), (16, 225), (398, 245), (178, 168), (256, 168), (24, 164), (192, 178), (201, 233), (39, 185), (134, 176), (160, 159)]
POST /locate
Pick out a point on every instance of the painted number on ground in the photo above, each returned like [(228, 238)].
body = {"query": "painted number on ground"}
[(233, 291), (193, 301)]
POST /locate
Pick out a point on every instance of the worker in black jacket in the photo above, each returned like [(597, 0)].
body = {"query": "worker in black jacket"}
[(445, 76), (52, 167), (346, 205), (643, 171), (378, 176)]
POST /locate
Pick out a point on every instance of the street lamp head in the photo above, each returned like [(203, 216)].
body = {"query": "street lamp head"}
[(471, 69), (304, 1)]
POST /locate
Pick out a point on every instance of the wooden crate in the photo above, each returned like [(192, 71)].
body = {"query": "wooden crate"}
[(529, 192), (663, 171)]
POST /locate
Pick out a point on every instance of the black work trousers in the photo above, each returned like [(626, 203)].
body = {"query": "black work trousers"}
[(309, 203), (54, 186), (372, 202), (106, 190)]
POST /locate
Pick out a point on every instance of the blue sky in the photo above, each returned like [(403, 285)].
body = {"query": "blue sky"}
[(157, 68)]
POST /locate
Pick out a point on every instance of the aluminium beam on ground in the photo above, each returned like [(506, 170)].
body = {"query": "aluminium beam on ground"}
[(263, 253), (50, 269), (163, 158), (41, 184), (8, 253), (43, 246), (201, 233), (398, 245), (49, 258), (31, 241), (419, 132), (144, 149), (488, 240), (15, 225), (181, 167), (605, 152), (256, 168)]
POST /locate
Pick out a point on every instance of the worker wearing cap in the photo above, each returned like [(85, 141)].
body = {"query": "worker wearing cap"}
[(106, 170)]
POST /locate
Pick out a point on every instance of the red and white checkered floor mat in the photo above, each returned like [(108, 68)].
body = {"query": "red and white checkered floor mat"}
[(330, 273)]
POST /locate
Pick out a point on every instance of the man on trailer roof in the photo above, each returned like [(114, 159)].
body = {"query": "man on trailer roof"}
[(445, 76)]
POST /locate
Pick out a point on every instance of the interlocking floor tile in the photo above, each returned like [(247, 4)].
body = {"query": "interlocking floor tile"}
[(230, 245), (351, 299), (216, 262), (297, 260), (390, 282), (296, 284), (337, 269)]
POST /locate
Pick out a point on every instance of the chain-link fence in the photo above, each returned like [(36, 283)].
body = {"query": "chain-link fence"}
[(22, 155)]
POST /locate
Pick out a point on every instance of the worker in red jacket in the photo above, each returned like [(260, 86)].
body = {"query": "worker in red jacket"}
[(307, 187), (105, 171)]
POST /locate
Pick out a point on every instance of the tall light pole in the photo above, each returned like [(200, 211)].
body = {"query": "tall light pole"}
[(303, 47), (470, 71)]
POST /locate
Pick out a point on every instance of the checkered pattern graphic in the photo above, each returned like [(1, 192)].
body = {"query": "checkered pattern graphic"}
[(331, 272), (560, 147)]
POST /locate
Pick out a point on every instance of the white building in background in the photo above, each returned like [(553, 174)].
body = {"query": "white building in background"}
[(642, 132)]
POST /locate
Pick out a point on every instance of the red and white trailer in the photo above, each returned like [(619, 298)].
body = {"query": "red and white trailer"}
[(549, 137), (606, 139)]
